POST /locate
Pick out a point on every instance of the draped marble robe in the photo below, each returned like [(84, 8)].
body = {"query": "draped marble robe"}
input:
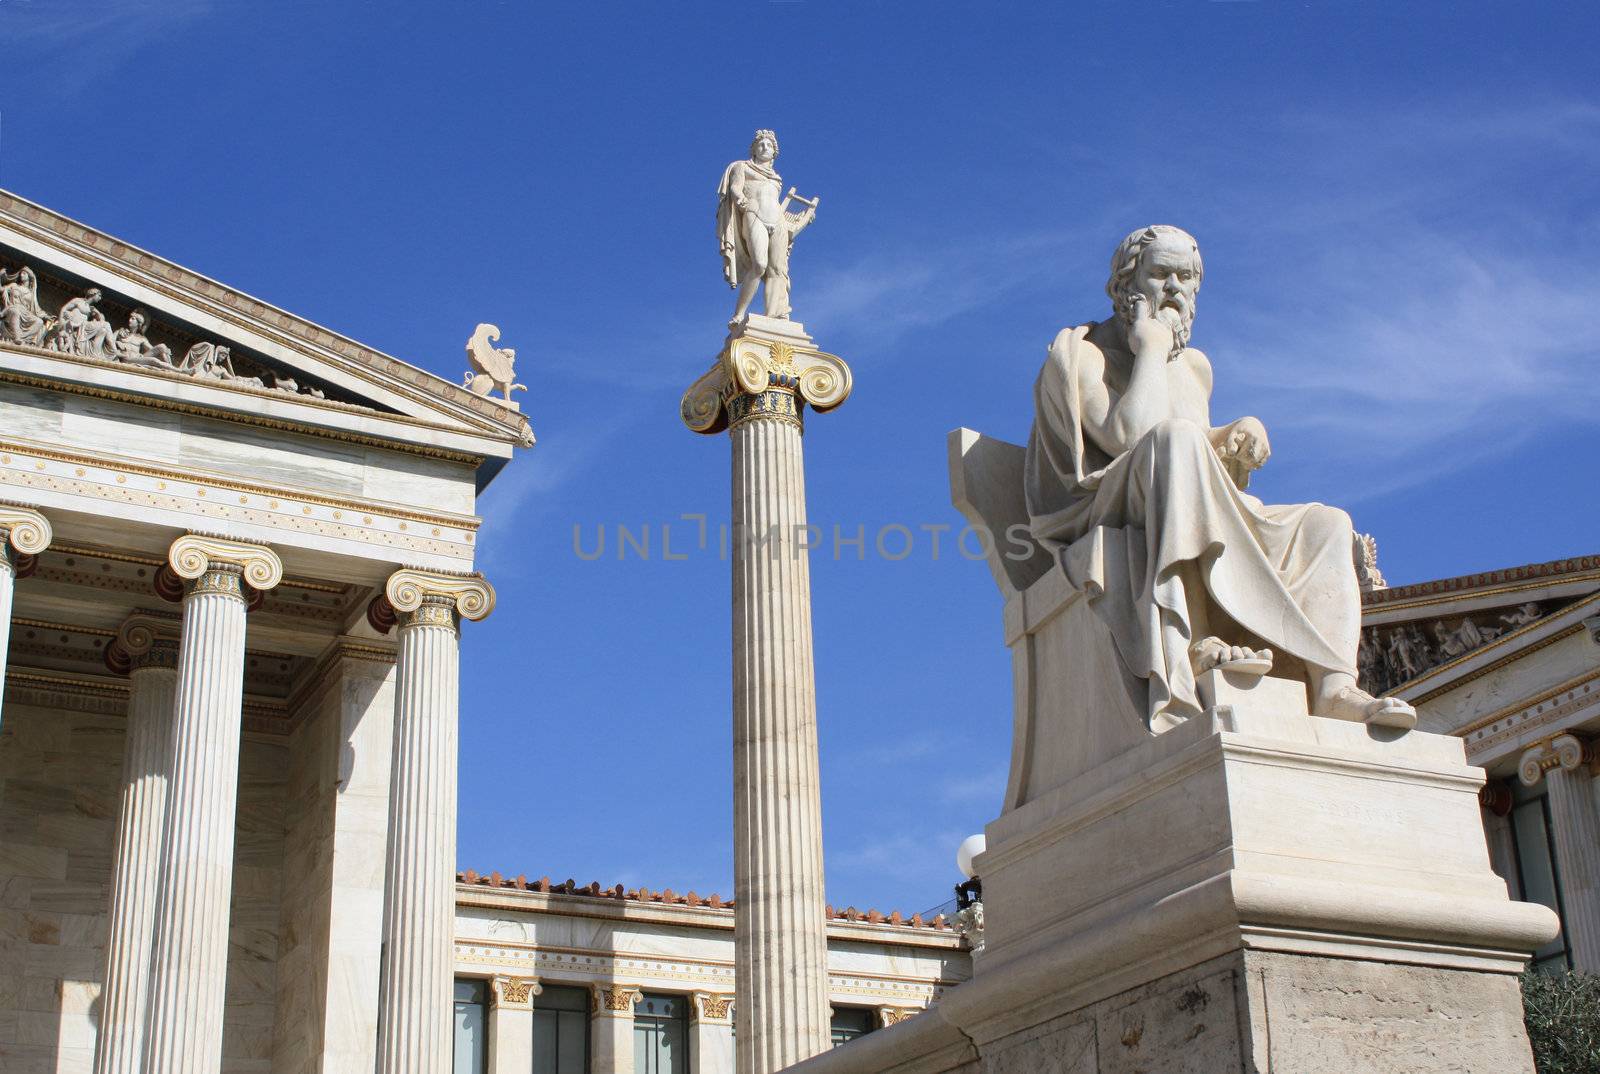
[(1123, 527)]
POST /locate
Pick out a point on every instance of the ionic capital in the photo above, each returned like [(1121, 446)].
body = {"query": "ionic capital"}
[(712, 1007), (425, 598), (23, 529), (1567, 752), (889, 1016), (615, 1000), (216, 565), (145, 640), (757, 377), (515, 993)]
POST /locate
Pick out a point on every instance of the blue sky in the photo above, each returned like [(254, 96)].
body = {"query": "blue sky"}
[(1396, 208)]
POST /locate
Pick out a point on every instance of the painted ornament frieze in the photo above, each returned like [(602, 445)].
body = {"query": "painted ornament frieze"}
[(81, 327)]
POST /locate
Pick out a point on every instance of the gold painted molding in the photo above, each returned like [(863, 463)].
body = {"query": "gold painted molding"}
[(192, 555)]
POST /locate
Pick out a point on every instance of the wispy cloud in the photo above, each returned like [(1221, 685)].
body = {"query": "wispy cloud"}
[(95, 38)]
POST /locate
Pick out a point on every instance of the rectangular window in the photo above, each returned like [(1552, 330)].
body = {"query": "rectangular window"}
[(661, 1035), (848, 1023), (561, 1031), (1538, 874), (471, 1027)]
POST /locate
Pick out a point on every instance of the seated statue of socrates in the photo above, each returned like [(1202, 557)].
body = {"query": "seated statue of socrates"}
[(1186, 569)]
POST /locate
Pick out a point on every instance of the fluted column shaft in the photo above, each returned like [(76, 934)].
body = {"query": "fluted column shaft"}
[(136, 866), (780, 939), (189, 959), (1575, 829), (419, 901), (23, 533)]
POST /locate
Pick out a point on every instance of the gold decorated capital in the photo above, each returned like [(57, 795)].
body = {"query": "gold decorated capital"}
[(615, 999), (712, 1006), (24, 530), (759, 375), (1564, 751), (144, 640), (515, 992), (217, 565), (428, 598), (890, 1016)]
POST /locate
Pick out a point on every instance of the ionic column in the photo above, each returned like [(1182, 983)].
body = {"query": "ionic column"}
[(611, 1029), (189, 962), (511, 1024), (24, 533), (146, 650), (713, 1034), (1575, 830), (765, 377), (1495, 801), (414, 1001)]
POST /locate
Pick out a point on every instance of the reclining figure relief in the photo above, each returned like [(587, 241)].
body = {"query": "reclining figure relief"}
[(1143, 501)]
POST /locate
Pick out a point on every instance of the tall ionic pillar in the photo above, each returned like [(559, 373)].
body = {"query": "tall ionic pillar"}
[(189, 960), (764, 378), (414, 1000), (146, 650), (1575, 830), (23, 533)]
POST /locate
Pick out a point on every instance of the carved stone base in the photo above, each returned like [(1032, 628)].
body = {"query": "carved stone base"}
[(1252, 890)]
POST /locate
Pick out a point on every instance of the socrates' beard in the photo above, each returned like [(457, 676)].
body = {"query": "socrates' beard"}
[(1182, 324)]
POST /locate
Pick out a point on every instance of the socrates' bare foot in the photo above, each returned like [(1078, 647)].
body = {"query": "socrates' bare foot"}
[(1208, 653), (1355, 704)]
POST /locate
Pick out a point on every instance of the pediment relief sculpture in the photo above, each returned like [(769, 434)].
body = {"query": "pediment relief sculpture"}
[(82, 328), (1393, 655)]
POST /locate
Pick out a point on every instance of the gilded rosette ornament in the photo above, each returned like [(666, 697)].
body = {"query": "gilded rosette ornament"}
[(756, 377), (23, 529), (428, 598), (214, 564)]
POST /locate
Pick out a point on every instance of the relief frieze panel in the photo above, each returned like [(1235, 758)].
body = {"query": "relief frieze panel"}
[(1392, 655), (88, 323)]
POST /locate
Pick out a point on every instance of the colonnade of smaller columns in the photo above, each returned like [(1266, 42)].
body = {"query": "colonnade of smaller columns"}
[(164, 989), (1566, 763)]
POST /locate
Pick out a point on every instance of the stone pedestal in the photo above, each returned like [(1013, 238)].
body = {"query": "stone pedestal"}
[(144, 649), (1252, 890), (23, 533), (419, 888), (189, 963), (764, 378), (611, 1029)]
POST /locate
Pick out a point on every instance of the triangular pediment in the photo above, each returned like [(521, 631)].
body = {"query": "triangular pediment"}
[(209, 346)]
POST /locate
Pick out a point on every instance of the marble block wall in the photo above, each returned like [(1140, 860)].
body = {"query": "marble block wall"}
[(335, 846), (59, 774)]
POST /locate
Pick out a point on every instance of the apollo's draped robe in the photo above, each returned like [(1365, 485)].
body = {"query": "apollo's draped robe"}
[(1123, 526)]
